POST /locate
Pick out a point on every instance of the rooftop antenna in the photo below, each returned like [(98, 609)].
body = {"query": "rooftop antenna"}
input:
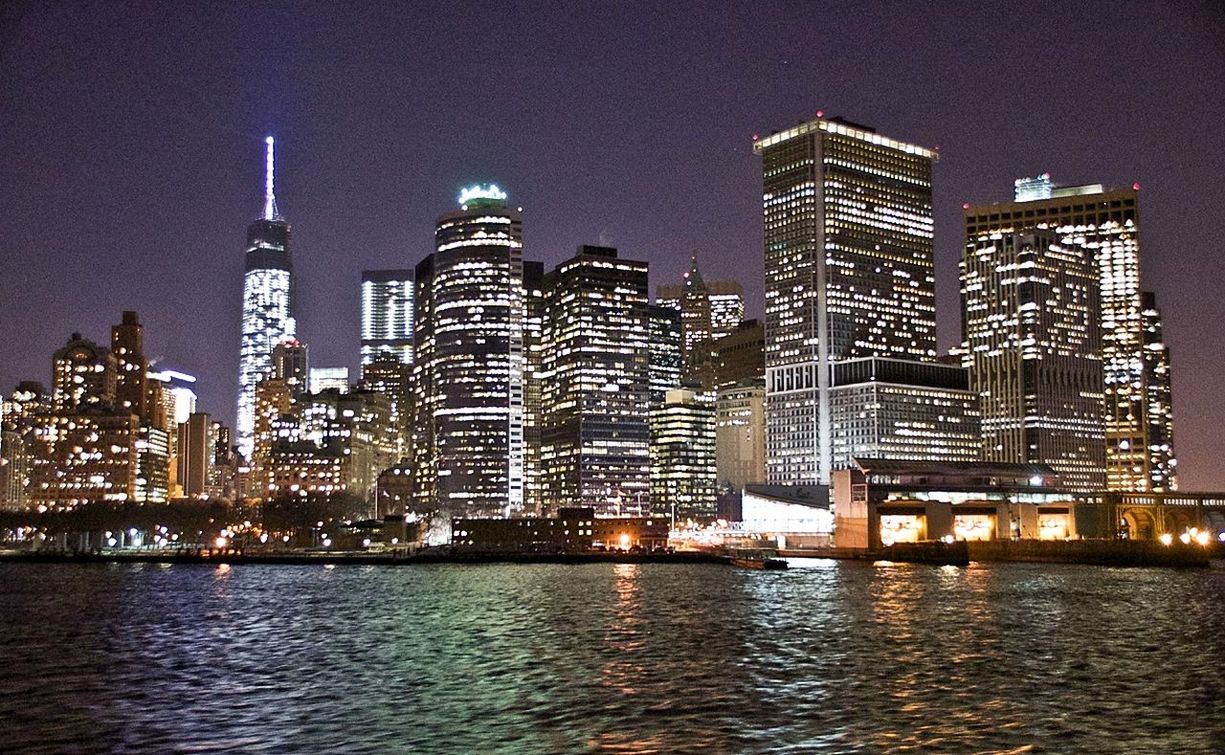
[(270, 211)]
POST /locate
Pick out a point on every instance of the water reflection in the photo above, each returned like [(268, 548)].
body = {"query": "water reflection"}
[(833, 657)]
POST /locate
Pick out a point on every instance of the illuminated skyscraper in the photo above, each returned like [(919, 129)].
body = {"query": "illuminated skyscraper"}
[(1163, 466), (1030, 319), (595, 442), (291, 363), (740, 434), (1106, 224), (387, 314), (470, 361), (683, 466), (267, 303), (664, 327), (708, 311), (849, 274), (83, 376)]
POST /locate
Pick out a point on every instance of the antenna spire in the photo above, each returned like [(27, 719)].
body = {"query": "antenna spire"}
[(270, 211)]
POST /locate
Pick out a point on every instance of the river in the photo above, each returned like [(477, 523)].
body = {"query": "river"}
[(828, 657)]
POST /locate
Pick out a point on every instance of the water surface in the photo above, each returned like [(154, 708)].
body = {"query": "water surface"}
[(836, 657)]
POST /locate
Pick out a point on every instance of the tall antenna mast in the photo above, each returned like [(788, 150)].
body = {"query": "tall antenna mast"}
[(270, 212)]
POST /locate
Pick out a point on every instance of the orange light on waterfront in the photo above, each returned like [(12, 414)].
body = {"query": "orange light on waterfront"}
[(625, 541), (1166, 538), (221, 542)]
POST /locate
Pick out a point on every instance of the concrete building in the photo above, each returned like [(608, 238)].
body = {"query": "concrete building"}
[(18, 411), (1105, 223), (387, 315), (595, 442), (884, 501), (197, 450), (470, 365), (850, 273), (1031, 330), (683, 468), (740, 434), (268, 303), (900, 409), (729, 359)]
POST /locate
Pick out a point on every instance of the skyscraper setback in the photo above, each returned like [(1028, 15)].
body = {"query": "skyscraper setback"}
[(849, 265), (268, 306), (1106, 223), (1030, 320)]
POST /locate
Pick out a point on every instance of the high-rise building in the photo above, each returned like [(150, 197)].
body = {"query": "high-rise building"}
[(268, 306), (83, 376), (1158, 391), (683, 466), (849, 265), (708, 311), (595, 394), (729, 359), (18, 411), (470, 361), (131, 367), (197, 450), (387, 314), (1106, 224), (664, 328), (904, 410), (389, 376), (740, 434), (1031, 330), (172, 398), (329, 379), (533, 385), (291, 363)]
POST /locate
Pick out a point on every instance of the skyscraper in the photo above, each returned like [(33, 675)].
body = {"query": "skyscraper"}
[(470, 361), (683, 464), (387, 314), (708, 311), (291, 363), (1159, 396), (1030, 320), (849, 273), (1106, 224), (595, 442), (664, 327), (267, 303)]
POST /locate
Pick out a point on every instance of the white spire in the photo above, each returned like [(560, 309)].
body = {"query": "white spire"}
[(270, 212)]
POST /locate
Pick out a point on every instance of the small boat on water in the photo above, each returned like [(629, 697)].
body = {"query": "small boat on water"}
[(771, 564)]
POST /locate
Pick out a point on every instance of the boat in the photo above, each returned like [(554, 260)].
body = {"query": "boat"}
[(770, 564)]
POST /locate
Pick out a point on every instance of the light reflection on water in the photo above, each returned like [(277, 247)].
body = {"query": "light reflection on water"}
[(826, 657)]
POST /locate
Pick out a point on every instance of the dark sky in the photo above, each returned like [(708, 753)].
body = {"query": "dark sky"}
[(131, 148)]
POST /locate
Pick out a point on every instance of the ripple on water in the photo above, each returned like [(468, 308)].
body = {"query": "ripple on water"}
[(835, 657)]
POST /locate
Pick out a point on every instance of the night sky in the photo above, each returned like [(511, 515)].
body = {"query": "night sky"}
[(131, 149)]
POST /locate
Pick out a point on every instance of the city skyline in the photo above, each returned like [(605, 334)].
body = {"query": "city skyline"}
[(188, 295)]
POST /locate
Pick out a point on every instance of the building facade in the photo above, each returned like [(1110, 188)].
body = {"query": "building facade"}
[(387, 315), (708, 311), (683, 467), (740, 434), (1031, 329), (902, 409), (470, 361), (268, 304), (1159, 399), (1106, 223), (849, 265), (664, 347), (595, 385)]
